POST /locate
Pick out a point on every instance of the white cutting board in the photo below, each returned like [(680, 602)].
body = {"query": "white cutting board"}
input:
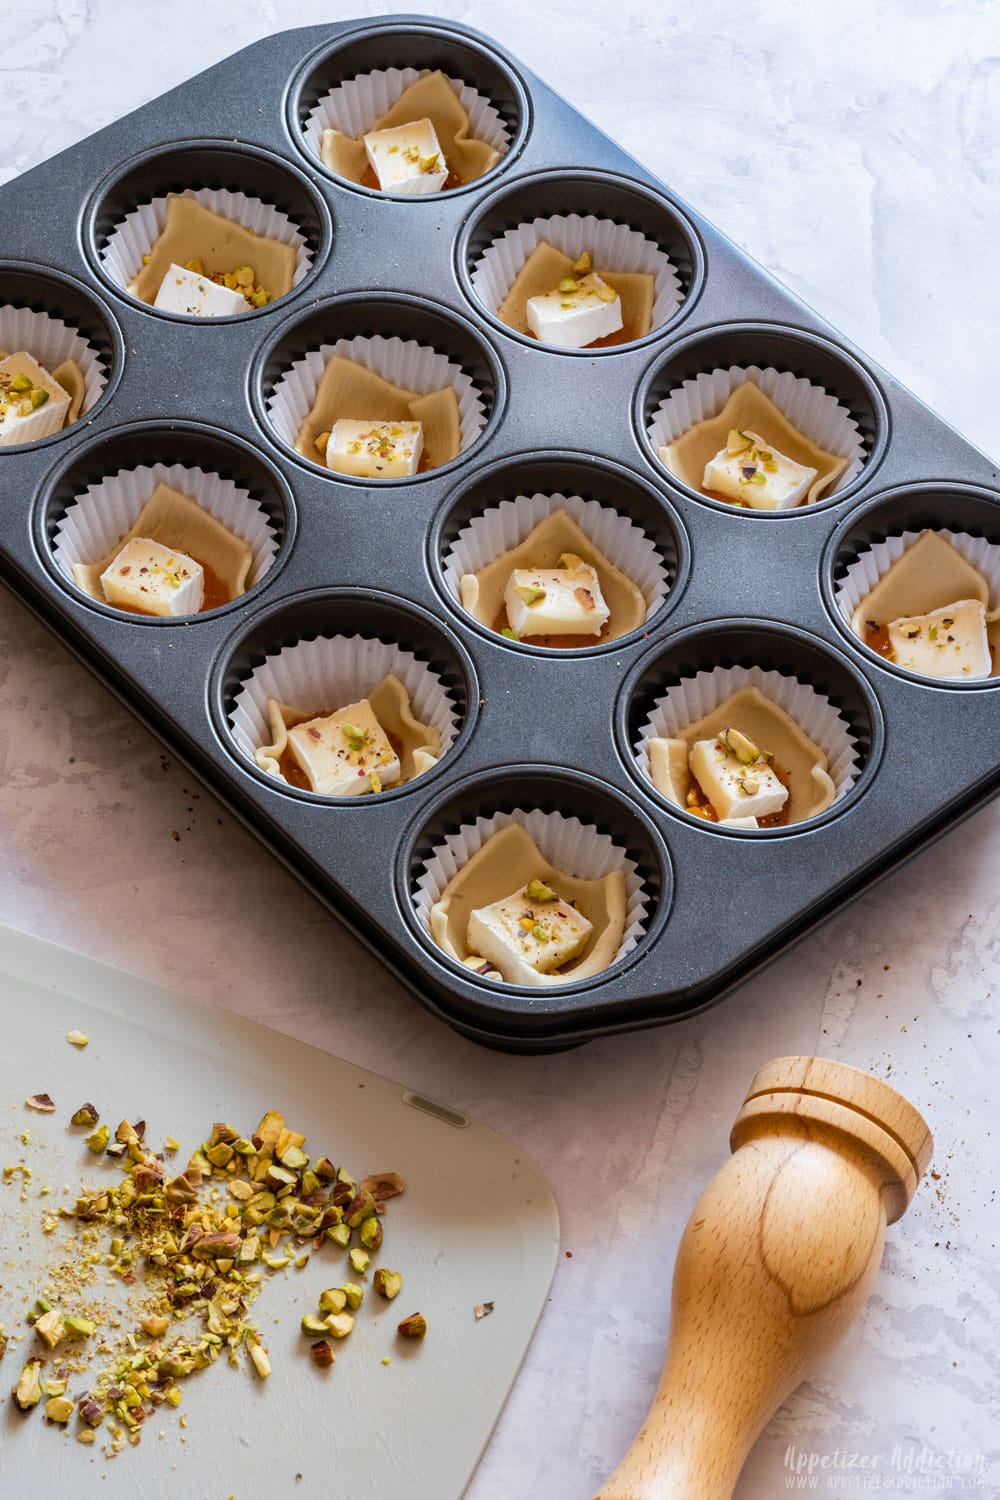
[(477, 1223)]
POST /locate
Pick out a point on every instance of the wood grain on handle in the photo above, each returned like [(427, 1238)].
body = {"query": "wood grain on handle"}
[(776, 1260)]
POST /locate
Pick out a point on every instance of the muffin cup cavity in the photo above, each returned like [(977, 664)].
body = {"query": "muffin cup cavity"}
[(351, 85), (578, 825), (634, 232), (824, 394), (635, 532), (703, 667), (354, 106), (50, 318), (870, 542), (97, 498), (246, 185), (134, 237), (321, 652), (442, 353)]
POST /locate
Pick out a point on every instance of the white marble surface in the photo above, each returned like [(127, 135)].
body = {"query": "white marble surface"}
[(854, 150)]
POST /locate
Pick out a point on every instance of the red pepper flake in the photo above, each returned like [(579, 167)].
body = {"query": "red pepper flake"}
[(126, 570)]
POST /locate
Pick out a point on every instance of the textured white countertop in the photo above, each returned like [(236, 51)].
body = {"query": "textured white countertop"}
[(854, 151)]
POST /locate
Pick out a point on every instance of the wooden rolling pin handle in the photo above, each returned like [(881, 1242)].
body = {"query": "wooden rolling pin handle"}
[(776, 1260)]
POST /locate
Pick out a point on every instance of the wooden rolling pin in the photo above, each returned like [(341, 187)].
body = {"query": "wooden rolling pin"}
[(777, 1258)]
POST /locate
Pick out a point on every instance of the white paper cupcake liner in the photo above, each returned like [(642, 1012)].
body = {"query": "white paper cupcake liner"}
[(817, 415), (354, 106), (505, 526), (50, 341), (612, 247), (403, 362), (136, 234), (102, 514), (864, 573), (694, 697), (575, 847), (328, 672)]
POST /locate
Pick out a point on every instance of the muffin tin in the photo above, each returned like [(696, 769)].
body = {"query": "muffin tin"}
[(556, 732)]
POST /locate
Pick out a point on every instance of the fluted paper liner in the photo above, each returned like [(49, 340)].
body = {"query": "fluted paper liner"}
[(51, 341), (325, 673), (612, 247), (354, 106), (134, 236), (404, 362), (571, 845), (101, 515), (504, 526), (694, 697), (818, 416)]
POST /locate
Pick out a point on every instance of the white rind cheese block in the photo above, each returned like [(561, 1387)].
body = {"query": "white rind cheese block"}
[(565, 600), (950, 642), (407, 158), (375, 450), (345, 753), (758, 476), (735, 789), (572, 318), (184, 291), (153, 579), (518, 931), (32, 411)]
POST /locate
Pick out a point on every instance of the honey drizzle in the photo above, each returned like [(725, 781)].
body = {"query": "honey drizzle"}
[(369, 180), (877, 639)]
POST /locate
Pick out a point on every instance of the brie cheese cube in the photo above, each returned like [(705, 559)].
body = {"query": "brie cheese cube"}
[(564, 600), (184, 291), (948, 642), (154, 580), (375, 450), (757, 475), (571, 317), (735, 789), (407, 158), (346, 752), (32, 404), (517, 930)]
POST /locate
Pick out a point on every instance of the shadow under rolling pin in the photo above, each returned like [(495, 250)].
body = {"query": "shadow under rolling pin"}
[(776, 1260)]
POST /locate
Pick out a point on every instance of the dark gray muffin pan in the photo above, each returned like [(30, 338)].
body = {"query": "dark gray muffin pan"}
[(548, 730)]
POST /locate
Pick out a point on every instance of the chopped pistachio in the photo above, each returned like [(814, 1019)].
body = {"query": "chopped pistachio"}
[(388, 1284), (370, 1233), (339, 1234), (50, 1328), (75, 1038), (744, 749), (313, 1324), (333, 1300), (90, 1411), (749, 785), (55, 1387), (737, 442), (322, 1354), (482, 1310), (261, 1363), (413, 1327), (584, 264), (98, 1140), (529, 593), (360, 1261), (510, 634), (155, 1325), (28, 1391), (59, 1409), (354, 1294), (41, 1102), (171, 1146), (340, 1324), (537, 890), (78, 1328), (85, 1115)]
